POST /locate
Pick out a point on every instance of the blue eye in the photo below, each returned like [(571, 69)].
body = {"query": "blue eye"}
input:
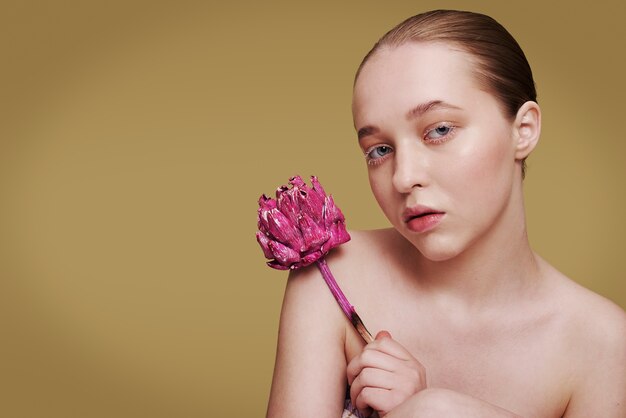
[(439, 132), (380, 151), (377, 152)]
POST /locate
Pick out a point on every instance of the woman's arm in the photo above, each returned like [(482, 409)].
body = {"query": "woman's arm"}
[(437, 403), (309, 375), (600, 386)]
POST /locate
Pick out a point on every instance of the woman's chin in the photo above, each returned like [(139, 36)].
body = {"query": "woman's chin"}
[(438, 255), (436, 249)]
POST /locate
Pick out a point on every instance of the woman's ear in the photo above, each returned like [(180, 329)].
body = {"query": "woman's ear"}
[(526, 129)]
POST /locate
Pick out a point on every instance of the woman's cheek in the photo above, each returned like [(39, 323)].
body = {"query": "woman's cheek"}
[(488, 178), (382, 189), (485, 158)]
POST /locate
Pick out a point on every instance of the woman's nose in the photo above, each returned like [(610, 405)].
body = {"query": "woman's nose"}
[(410, 169)]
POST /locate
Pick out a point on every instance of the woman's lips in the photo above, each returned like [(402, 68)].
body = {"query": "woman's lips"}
[(421, 218)]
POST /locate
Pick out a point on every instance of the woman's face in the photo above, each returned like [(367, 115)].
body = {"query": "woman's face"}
[(440, 151)]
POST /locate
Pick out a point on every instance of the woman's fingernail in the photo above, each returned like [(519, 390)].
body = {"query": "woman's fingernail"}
[(383, 334)]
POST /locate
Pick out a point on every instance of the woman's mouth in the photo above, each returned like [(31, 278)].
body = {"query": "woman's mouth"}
[(421, 218)]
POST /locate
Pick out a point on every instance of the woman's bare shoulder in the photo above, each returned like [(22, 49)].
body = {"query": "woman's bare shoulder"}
[(361, 257), (368, 244), (351, 260), (593, 321), (593, 331)]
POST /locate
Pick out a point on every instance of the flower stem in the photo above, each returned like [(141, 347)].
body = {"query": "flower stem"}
[(341, 299)]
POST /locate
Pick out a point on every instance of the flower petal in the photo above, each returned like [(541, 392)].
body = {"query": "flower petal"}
[(317, 186), (338, 236), (282, 230), (311, 258), (277, 266), (264, 243), (266, 204), (313, 234), (332, 214), (283, 254), (288, 205), (297, 181), (311, 204)]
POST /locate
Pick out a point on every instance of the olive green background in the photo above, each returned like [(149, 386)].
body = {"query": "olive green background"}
[(136, 137)]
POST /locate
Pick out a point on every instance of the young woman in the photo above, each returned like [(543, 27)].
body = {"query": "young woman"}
[(475, 323)]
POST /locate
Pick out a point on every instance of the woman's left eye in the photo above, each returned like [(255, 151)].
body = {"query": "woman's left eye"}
[(439, 133)]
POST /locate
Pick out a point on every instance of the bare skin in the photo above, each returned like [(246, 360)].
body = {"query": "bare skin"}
[(558, 352), (476, 324)]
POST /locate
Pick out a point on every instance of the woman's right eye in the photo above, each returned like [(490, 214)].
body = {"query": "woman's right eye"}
[(374, 154)]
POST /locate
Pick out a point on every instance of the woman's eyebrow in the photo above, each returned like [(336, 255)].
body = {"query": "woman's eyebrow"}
[(366, 130), (422, 108), (415, 112)]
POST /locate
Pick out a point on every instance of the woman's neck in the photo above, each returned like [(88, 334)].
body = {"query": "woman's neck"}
[(496, 269)]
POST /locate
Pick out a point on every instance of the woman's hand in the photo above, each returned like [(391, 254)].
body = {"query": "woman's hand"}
[(384, 376)]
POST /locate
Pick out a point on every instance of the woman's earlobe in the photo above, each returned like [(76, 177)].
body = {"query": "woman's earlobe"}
[(527, 129)]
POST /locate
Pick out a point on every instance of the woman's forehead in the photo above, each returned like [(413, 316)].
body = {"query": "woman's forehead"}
[(415, 73)]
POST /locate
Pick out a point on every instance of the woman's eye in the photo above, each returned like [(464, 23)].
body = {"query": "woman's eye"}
[(377, 152), (439, 132)]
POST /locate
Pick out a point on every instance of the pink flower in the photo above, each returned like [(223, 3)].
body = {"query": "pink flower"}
[(300, 226)]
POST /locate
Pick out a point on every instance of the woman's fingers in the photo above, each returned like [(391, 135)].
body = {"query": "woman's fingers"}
[(377, 399), (383, 353), (370, 358), (384, 375), (386, 344), (373, 378)]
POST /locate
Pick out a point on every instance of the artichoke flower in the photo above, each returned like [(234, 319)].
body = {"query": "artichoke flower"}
[(299, 228)]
